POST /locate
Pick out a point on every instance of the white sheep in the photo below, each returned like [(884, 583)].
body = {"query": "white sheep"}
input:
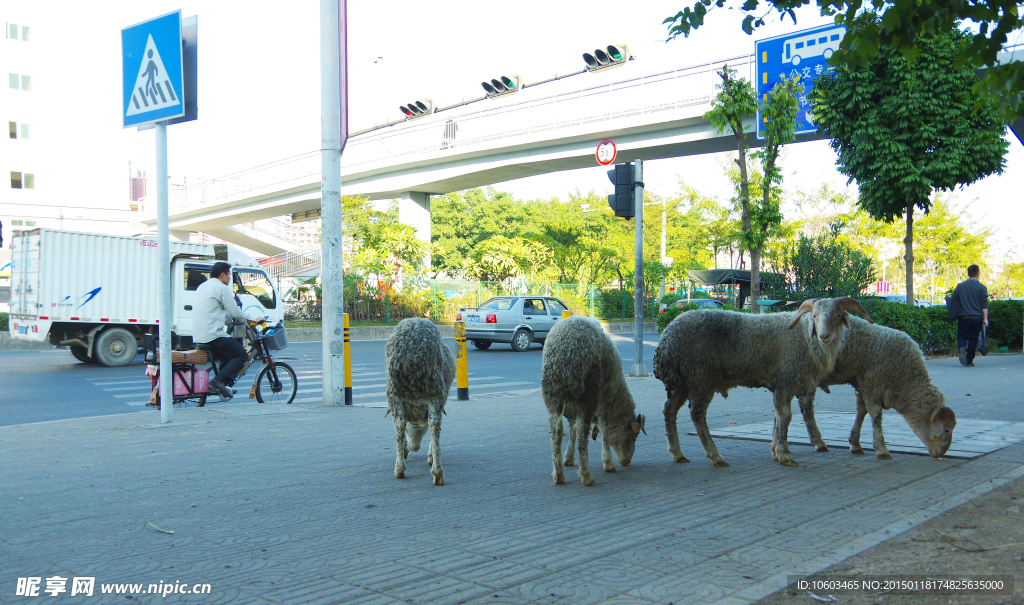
[(707, 351), (582, 380), (420, 370), (888, 370)]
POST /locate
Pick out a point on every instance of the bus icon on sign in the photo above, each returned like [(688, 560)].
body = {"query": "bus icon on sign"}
[(814, 45)]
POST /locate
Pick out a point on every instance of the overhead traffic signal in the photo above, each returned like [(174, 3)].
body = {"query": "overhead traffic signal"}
[(417, 109), (622, 201), (503, 85), (610, 56)]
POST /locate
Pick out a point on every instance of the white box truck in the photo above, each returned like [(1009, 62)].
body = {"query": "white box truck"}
[(98, 294)]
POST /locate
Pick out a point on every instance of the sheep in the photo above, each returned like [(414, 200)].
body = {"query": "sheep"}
[(887, 369), (705, 351), (582, 380), (420, 370)]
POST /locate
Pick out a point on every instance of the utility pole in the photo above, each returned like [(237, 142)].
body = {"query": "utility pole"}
[(334, 132), (639, 368)]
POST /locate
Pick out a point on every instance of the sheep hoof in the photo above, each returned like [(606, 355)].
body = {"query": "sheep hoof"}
[(719, 463), (821, 448), (438, 479), (399, 474), (609, 469), (789, 462), (407, 451), (857, 450), (569, 462), (559, 478), (680, 458), (883, 455), (588, 481)]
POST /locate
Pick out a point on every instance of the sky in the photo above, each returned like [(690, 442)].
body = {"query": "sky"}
[(259, 86)]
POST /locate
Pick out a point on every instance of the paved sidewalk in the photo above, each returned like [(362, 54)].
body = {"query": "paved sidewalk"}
[(299, 504)]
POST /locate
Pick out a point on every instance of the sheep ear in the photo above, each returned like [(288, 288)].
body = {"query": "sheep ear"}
[(593, 433), (850, 304), (824, 387), (805, 307), (641, 422)]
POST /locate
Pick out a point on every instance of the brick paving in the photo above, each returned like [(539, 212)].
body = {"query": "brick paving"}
[(303, 507)]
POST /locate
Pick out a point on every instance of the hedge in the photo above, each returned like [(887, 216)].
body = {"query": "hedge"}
[(3, 322), (928, 326)]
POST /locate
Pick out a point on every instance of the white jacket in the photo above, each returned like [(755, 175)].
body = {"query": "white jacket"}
[(213, 300)]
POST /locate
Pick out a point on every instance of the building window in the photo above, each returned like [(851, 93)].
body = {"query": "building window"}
[(12, 31), (24, 131), (26, 82), (15, 81), (24, 33), (30, 181), (15, 180), (14, 129), (20, 223)]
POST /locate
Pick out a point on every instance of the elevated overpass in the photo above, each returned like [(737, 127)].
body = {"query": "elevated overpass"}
[(650, 117)]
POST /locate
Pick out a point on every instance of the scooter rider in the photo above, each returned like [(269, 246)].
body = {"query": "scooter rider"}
[(214, 299)]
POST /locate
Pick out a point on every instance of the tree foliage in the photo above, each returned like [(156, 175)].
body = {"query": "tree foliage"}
[(903, 128), (822, 266), (902, 27)]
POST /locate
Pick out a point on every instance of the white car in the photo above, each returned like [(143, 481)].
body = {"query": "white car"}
[(517, 320)]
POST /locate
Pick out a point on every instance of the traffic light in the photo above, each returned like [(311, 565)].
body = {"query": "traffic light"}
[(611, 56), (622, 200), (504, 85), (417, 109)]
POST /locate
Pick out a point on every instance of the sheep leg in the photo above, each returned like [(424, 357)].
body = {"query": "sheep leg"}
[(606, 450), (570, 451), (875, 411), (558, 474), (581, 424), (400, 447), (858, 422), (699, 416), (807, 411), (780, 439), (435, 443), (671, 411)]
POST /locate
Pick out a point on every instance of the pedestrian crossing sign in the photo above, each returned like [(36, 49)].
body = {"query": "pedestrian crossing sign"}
[(151, 54)]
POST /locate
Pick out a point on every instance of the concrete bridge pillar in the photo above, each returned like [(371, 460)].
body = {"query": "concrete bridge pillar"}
[(414, 210)]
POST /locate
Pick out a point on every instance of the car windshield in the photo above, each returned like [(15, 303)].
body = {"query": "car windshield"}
[(499, 304)]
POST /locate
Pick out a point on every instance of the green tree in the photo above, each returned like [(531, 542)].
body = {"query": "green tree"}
[(903, 128), (735, 101), (384, 246), (822, 267), (902, 27), (1010, 281)]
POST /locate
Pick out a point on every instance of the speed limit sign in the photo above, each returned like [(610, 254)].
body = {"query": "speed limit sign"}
[(606, 152)]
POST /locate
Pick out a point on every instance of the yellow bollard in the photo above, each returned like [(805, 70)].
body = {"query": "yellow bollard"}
[(348, 364), (566, 313), (461, 366)]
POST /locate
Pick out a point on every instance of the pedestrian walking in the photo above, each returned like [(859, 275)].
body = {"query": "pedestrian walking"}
[(971, 298)]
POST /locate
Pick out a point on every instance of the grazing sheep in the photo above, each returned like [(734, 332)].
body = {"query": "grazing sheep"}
[(887, 369), (706, 351), (582, 380), (420, 370)]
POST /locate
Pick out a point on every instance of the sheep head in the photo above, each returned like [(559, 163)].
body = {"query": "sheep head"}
[(623, 438), (937, 434), (828, 316)]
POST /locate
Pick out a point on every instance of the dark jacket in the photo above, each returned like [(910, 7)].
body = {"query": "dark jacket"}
[(972, 296)]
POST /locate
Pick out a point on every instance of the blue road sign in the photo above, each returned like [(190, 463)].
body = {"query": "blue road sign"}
[(804, 53), (151, 70)]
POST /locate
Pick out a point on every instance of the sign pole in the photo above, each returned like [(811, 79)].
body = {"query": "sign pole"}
[(639, 368), (333, 134), (164, 259)]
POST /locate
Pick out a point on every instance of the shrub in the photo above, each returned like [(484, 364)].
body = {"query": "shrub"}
[(928, 326), (3, 322), (670, 298), (1005, 323)]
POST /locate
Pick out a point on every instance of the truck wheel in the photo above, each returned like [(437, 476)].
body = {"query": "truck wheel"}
[(115, 347), (80, 353), (482, 344), (521, 340)]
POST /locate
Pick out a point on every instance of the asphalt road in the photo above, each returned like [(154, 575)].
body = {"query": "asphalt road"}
[(39, 386)]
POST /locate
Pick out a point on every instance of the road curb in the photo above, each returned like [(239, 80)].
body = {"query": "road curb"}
[(447, 331)]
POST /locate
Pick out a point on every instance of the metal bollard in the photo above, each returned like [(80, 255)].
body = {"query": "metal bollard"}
[(348, 363), (461, 366)]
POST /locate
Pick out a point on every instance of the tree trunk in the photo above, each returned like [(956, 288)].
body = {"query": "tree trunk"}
[(755, 279), (909, 257)]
